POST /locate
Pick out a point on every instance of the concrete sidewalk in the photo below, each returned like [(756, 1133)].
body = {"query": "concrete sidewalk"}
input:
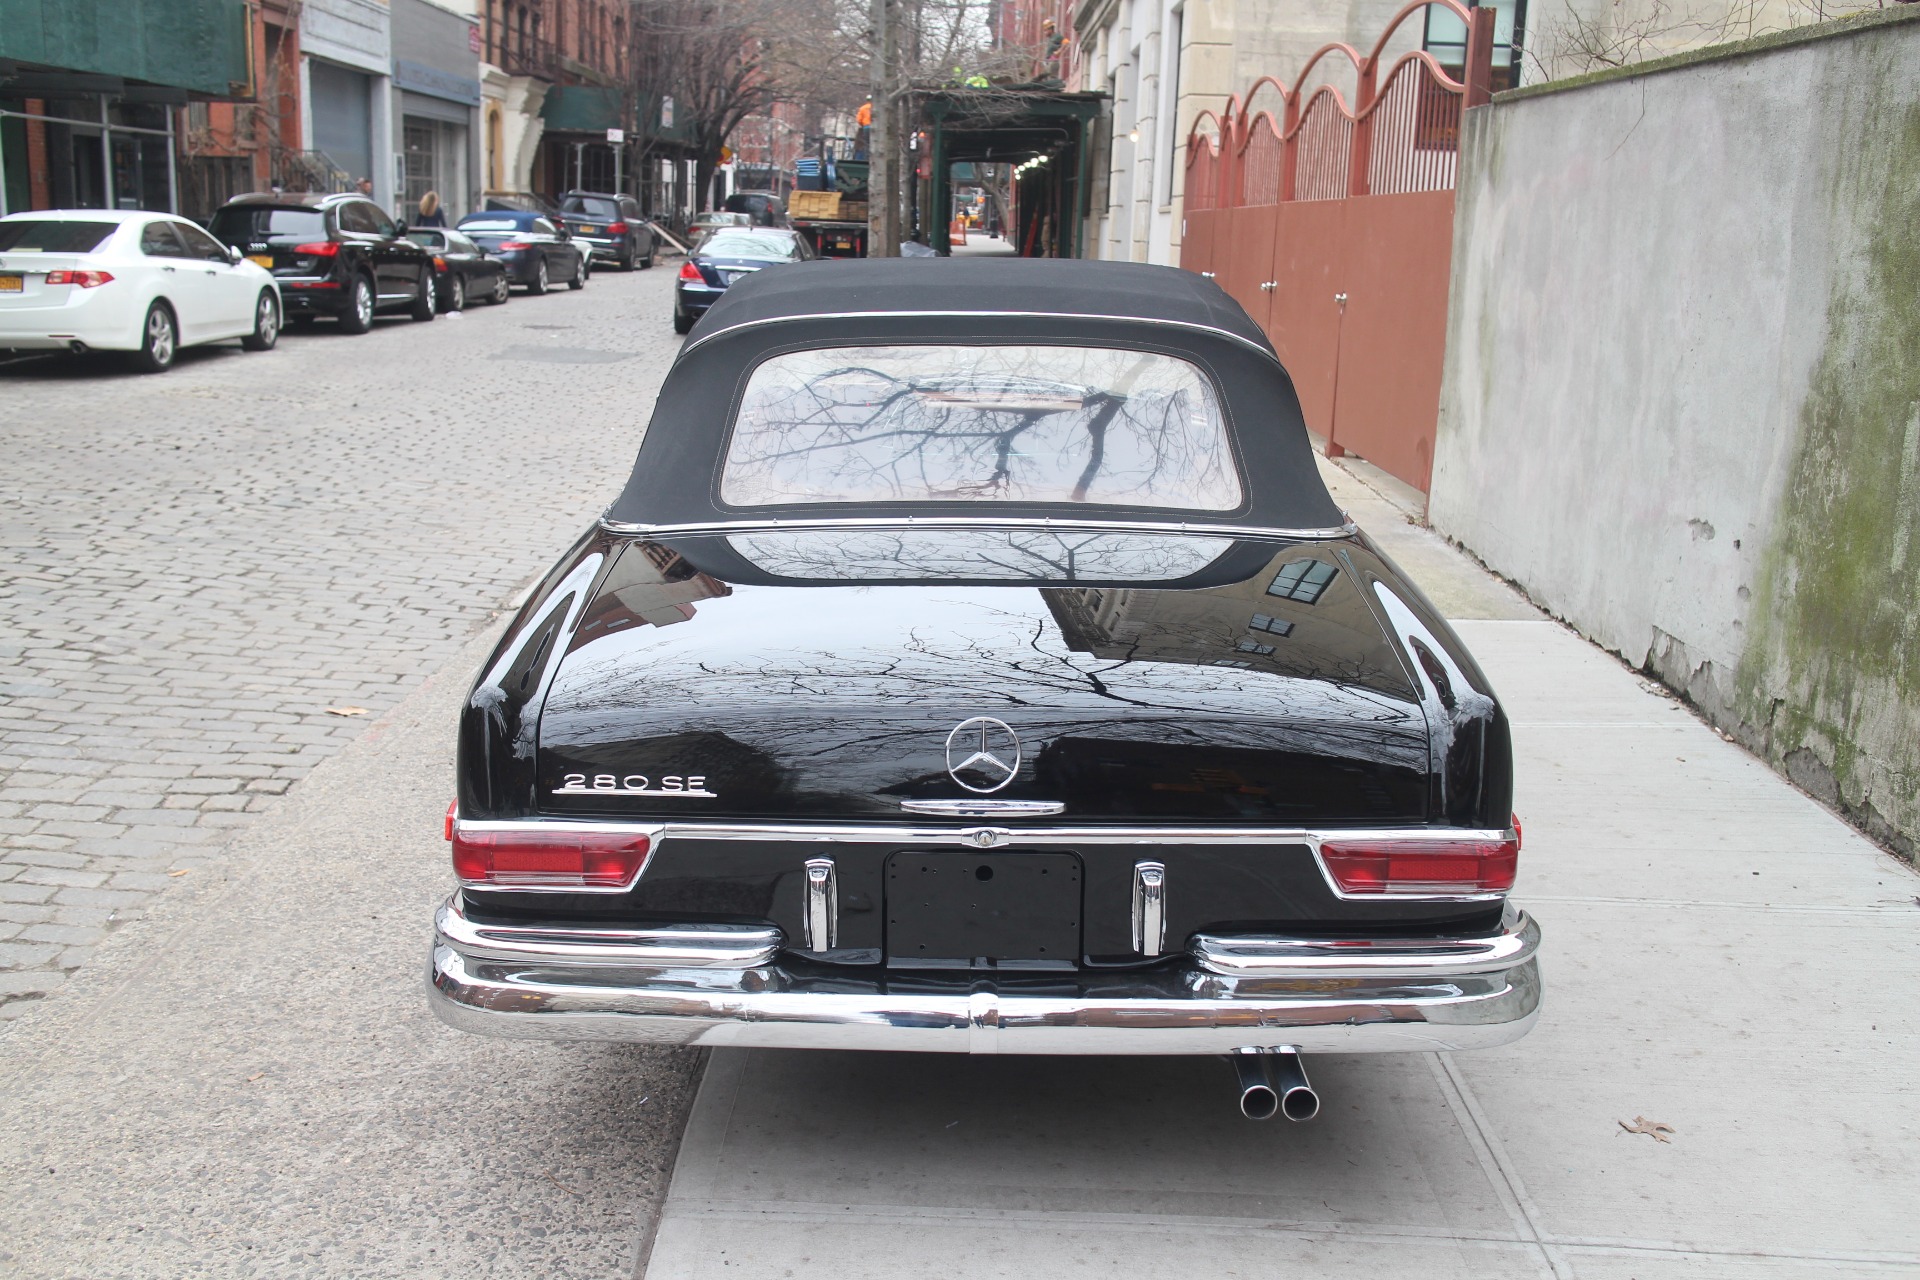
[(1723, 956)]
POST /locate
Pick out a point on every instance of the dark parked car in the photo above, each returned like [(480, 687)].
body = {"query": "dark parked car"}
[(535, 252), (464, 271), (724, 256), (975, 662), (765, 208), (714, 220), (611, 226), (332, 255)]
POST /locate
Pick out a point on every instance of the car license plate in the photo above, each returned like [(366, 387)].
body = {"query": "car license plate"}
[(261, 260), (12, 284), (973, 910), (591, 231)]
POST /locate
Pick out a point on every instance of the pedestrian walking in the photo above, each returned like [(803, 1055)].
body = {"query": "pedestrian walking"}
[(430, 215)]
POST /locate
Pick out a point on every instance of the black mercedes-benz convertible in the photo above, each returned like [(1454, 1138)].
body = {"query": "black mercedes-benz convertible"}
[(975, 662)]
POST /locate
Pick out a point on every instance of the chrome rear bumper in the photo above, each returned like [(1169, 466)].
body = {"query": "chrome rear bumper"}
[(721, 985)]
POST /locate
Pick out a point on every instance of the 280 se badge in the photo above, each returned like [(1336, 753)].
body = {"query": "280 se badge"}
[(635, 784)]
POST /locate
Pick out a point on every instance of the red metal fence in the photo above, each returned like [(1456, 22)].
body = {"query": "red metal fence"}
[(1333, 226)]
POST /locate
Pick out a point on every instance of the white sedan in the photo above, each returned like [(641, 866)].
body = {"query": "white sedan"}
[(140, 282)]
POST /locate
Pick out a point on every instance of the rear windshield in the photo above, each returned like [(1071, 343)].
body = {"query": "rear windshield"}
[(483, 226), (249, 224), (35, 235), (593, 206), (1030, 424), (722, 244), (428, 239)]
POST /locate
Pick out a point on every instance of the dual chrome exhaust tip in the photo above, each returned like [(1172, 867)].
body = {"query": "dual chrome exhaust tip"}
[(1273, 1082)]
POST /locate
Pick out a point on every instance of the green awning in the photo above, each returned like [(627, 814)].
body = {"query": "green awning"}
[(199, 45), (579, 108)]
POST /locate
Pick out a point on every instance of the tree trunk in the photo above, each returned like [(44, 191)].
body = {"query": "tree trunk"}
[(883, 207), (703, 167)]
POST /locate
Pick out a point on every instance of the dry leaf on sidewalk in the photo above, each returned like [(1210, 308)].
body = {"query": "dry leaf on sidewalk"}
[(1652, 1128), (346, 711)]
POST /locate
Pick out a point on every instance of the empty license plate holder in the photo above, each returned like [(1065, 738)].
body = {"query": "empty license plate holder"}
[(999, 910)]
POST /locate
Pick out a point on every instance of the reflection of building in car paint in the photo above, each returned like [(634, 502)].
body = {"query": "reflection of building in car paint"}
[(1302, 580), (650, 584), (1325, 622)]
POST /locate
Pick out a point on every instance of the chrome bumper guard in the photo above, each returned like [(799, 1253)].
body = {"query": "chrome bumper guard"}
[(721, 985)]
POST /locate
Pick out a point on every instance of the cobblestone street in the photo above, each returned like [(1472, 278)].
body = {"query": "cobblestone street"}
[(206, 569)]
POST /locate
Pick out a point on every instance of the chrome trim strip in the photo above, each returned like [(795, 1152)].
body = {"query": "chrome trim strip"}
[(1076, 525), (679, 946), (986, 315), (1266, 956), (988, 837), (884, 833), (823, 905), (986, 808), (1149, 907), (1164, 1011)]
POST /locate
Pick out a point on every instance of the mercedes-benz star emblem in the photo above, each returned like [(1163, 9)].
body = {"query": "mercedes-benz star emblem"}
[(985, 750)]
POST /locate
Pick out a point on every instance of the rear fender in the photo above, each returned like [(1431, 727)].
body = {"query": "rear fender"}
[(500, 724)]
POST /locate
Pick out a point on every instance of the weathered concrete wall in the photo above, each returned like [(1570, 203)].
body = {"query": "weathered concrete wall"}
[(1681, 405)]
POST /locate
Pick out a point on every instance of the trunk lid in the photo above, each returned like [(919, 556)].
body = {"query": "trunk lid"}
[(1268, 695)]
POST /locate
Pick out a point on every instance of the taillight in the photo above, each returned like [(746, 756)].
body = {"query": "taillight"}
[(555, 858), (616, 228), (1389, 865), (439, 264), (690, 272), (80, 279), (318, 249), (516, 244)]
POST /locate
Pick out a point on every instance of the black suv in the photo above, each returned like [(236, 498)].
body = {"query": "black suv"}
[(765, 208), (333, 255), (611, 226)]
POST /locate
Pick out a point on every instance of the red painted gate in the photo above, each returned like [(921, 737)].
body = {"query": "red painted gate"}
[(1333, 226)]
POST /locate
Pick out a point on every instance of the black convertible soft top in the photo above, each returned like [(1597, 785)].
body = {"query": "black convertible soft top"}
[(1042, 286), (902, 301)]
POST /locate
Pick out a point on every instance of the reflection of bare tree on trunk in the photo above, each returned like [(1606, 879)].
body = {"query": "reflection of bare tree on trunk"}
[(872, 705)]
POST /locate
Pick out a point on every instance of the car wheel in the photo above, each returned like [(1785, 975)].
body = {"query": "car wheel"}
[(682, 324), (266, 323), (539, 284), (579, 280), (425, 296), (502, 289), (358, 317), (159, 341), (630, 261), (456, 292), (647, 265)]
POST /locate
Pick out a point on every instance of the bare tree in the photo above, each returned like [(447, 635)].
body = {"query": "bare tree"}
[(1620, 33), (711, 58)]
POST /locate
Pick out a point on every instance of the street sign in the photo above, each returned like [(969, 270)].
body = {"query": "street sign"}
[(666, 113), (616, 135), (473, 39)]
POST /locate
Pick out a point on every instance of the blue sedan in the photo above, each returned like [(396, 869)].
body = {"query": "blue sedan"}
[(723, 256), (535, 252)]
